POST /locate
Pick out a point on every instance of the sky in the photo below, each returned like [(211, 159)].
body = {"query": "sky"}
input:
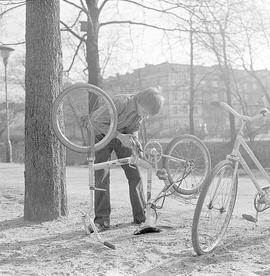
[(135, 46)]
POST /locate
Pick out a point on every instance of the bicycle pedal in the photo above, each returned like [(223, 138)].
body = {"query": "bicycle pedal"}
[(249, 218)]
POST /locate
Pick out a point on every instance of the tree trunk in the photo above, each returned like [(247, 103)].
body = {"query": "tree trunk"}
[(45, 186), (92, 54), (191, 90), (229, 101), (227, 82)]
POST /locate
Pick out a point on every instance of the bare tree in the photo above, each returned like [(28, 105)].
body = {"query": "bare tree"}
[(93, 10), (216, 19), (250, 30)]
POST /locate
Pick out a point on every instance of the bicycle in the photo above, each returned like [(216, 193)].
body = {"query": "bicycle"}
[(218, 194), (185, 162)]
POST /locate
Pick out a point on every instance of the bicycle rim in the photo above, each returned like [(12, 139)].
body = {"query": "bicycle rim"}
[(190, 164), (214, 208), (75, 103)]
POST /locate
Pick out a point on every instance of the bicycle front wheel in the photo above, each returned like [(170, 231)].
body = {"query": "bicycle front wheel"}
[(188, 163), (74, 107), (214, 208)]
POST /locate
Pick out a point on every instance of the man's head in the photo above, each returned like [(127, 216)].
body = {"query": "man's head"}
[(149, 101)]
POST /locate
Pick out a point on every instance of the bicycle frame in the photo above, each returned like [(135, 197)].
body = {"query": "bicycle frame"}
[(238, 158), (131, 161), (134, 160)]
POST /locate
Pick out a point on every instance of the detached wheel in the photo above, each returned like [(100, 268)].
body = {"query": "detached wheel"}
[(81, 101), (188, 163)]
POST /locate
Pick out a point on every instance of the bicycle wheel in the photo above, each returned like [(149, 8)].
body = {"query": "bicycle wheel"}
[(188, 163), (74, 108), (214, 208)]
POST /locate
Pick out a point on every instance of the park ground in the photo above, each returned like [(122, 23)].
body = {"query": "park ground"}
[(61, 247)]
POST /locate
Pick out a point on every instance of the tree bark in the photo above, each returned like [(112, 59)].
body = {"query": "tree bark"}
[(92, 54), (45, 186)]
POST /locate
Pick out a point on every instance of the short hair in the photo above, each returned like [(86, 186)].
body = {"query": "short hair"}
[(151, 98)]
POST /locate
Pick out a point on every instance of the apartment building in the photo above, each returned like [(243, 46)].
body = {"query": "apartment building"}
[(174, 80)]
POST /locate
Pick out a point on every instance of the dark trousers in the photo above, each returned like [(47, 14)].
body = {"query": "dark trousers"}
[(102, 180)]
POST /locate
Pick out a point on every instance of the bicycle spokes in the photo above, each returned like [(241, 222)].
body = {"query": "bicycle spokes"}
[(216, 209), (182, 173), (187, 162)]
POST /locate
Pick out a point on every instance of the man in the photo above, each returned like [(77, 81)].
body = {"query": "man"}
[(131, 110)]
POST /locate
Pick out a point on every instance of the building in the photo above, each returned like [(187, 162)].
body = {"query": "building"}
[(209, 86)]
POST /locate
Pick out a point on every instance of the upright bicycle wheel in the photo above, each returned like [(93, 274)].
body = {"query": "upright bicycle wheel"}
[(214, 208), (188, 163), (75, 109)]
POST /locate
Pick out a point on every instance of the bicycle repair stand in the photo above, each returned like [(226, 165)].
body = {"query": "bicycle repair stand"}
[(149, 226), (92, 189)]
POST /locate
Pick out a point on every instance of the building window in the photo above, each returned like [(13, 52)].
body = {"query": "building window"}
[(214, 83), (184, 109), (184, 96), (175, 109)]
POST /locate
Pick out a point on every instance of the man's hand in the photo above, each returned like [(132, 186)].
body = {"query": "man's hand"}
[(125, 139), (128, 139)]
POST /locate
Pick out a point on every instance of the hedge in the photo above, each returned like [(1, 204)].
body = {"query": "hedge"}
[(218, 152)]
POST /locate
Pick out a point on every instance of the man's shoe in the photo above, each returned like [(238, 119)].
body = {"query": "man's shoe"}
[(106, 224), (138, 222), (99, 227)]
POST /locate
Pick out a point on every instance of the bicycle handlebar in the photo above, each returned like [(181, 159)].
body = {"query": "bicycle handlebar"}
[(227, 107)]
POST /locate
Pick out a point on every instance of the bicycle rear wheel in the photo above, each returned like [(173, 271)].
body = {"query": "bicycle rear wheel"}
[(187, 163), (214, 208), (74, 107)]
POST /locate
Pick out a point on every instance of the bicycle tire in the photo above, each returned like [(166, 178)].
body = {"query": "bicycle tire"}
[(197, 241), (98, 92), (194, 141)]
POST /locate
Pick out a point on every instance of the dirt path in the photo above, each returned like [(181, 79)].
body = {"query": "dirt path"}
[(61, 247)]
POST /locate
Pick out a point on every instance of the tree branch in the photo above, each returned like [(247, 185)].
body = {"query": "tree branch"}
[(74, 56), (84, 7), (152, 26), (12, 8), (164, 11), (77, 19), (75, 5), (140, 24), (12, 44), (145, 7), (108, 56), (102, 6), (71, 31), (9, 3)]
